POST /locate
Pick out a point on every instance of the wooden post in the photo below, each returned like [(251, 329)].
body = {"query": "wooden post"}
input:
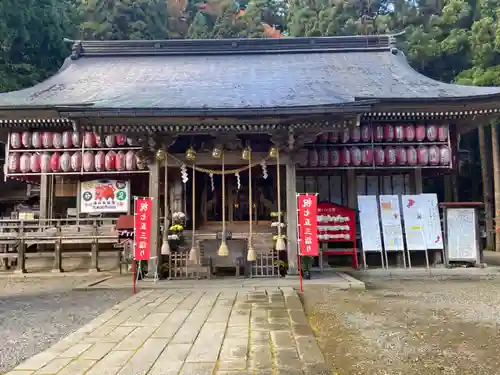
[(94, 249), (58, 250), (418, 183), (485, 157), (291, 215), (21, 252), (496, 180), (154, 193)]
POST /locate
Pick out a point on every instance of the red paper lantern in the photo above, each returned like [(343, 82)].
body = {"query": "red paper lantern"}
[(410, 133), (121, 140), (399, 133), (334, 158), (130, 142), (434, 155), (388, 133), (110, 141), (356, 156), (442, 135), (15, 140), (47, 140), (99, 161), (367, 156), (323, 157), (120, 164), (355, 134), (57, 140), (45, 162), (26, 140), (67, 139), (423, 155), (36, 140), (420, 133), (390, 156), (130, 161), (401, 155), (411, 155), (14, 162), (76, 139), (379, 155), (54, 162), (345, 157), (76, 161), (344, 137), (312, 157), (89, 140), (35, 163), (25, 163), (444, 155), (110, 161), (333, 137), (432, 133), (88, 161), (378, 133), (98, 140), (322, 138), (65, 162), (366, 135)]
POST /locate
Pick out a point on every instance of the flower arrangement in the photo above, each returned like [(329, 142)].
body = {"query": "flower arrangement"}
[(178, 217), (176, 228), (277, 237), (175, 236)]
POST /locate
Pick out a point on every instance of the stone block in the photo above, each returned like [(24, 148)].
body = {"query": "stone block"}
[(22, 372), (197, 368), (287, 358), (309, 350), (317, 369), (234, 349), (208, 344), (111, 363), (171, 325), (143, 360), (260, 357), (98, 351), (282, 339), (259, 337), (75, 350), (288, 371), (77, 367), (171, 360), (136, 338), (37, 361), (54, 366), (302, 330), (239, 318), (298, 317)]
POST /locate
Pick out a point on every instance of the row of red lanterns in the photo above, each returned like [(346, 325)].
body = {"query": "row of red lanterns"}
[(68, 139), (73, 162), (387, 133), (367, 156)]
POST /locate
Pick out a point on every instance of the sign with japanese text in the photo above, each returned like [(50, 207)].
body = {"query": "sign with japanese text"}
[(336, 223), (142, 228), (104, 196), (308, 226)]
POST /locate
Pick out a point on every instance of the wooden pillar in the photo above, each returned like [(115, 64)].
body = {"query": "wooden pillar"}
[(291, 215), (21, 252), (154, 193), (496, 180), (58, 250), (418, 183), (94, 249)]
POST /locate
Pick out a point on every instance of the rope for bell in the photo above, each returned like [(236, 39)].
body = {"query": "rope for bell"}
[(165, 246), (193, 253), (280, 243), (251, 256), (223, 250)]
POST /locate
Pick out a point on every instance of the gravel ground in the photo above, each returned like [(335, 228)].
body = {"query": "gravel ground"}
[(409, 327), (37, 313)]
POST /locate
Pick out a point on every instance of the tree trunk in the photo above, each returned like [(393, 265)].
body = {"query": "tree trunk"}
[(484, 155), (496, 179)]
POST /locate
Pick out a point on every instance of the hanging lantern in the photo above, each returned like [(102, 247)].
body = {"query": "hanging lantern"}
[(344, 137), (36, 140), (110, 161), (110, 141), (65, 162), (190, 154), (313, 157), (410, 133), (444, 155), (323, 157), (401, 155), (140, 162), (121, 140), (334, 158), (367, 156), (356, 156), (333, 137), (246, 153), (88, 161), (15, 140), (322, 138), (26, 139), (423, 155), (98, 140), (379, 155), (390, 156), (130, 142), (411, 156), (24, 164), (366, 135), (120, 161), (99, 161), (130, 161), (273, 152), (434, 155), (356, 134), (45, 162), (399, 133), (14, 162), (160, 155), (388, 133), (89, 140), (54, 162), (76, 139), (57, 140), (442, 133), (420, 133), (431, 133), (76, 161), (67, 139), (345, 157), (35, 163), (378, 133), (47, 138)]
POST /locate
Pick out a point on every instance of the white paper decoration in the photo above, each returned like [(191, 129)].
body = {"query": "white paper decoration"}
[(110, 141), (25, 162), (15, 140), (45, 163), (14, 162), (65, 162), (26, 139), (36, 140), (130, 161)]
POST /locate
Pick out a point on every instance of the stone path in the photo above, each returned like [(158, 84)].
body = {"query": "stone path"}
[(189, 332)]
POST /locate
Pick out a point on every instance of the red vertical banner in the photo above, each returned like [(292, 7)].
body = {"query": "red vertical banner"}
[(142, 228), (307, 205)]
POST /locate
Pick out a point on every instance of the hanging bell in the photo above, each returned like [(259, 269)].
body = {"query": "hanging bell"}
[(190, 154), (273, 152), (251, 255), (193, 254), (223, 249), (246, 153), (217, 153), (165, 248), (280, 244), (161, 155)]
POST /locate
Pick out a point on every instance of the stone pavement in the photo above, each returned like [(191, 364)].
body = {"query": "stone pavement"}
[(189, 332)]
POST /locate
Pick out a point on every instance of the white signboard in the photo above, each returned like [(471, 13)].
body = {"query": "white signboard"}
[(104, 196), (390, 215), (432, 221), (413, 216), (369, 223), (461, 234)]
